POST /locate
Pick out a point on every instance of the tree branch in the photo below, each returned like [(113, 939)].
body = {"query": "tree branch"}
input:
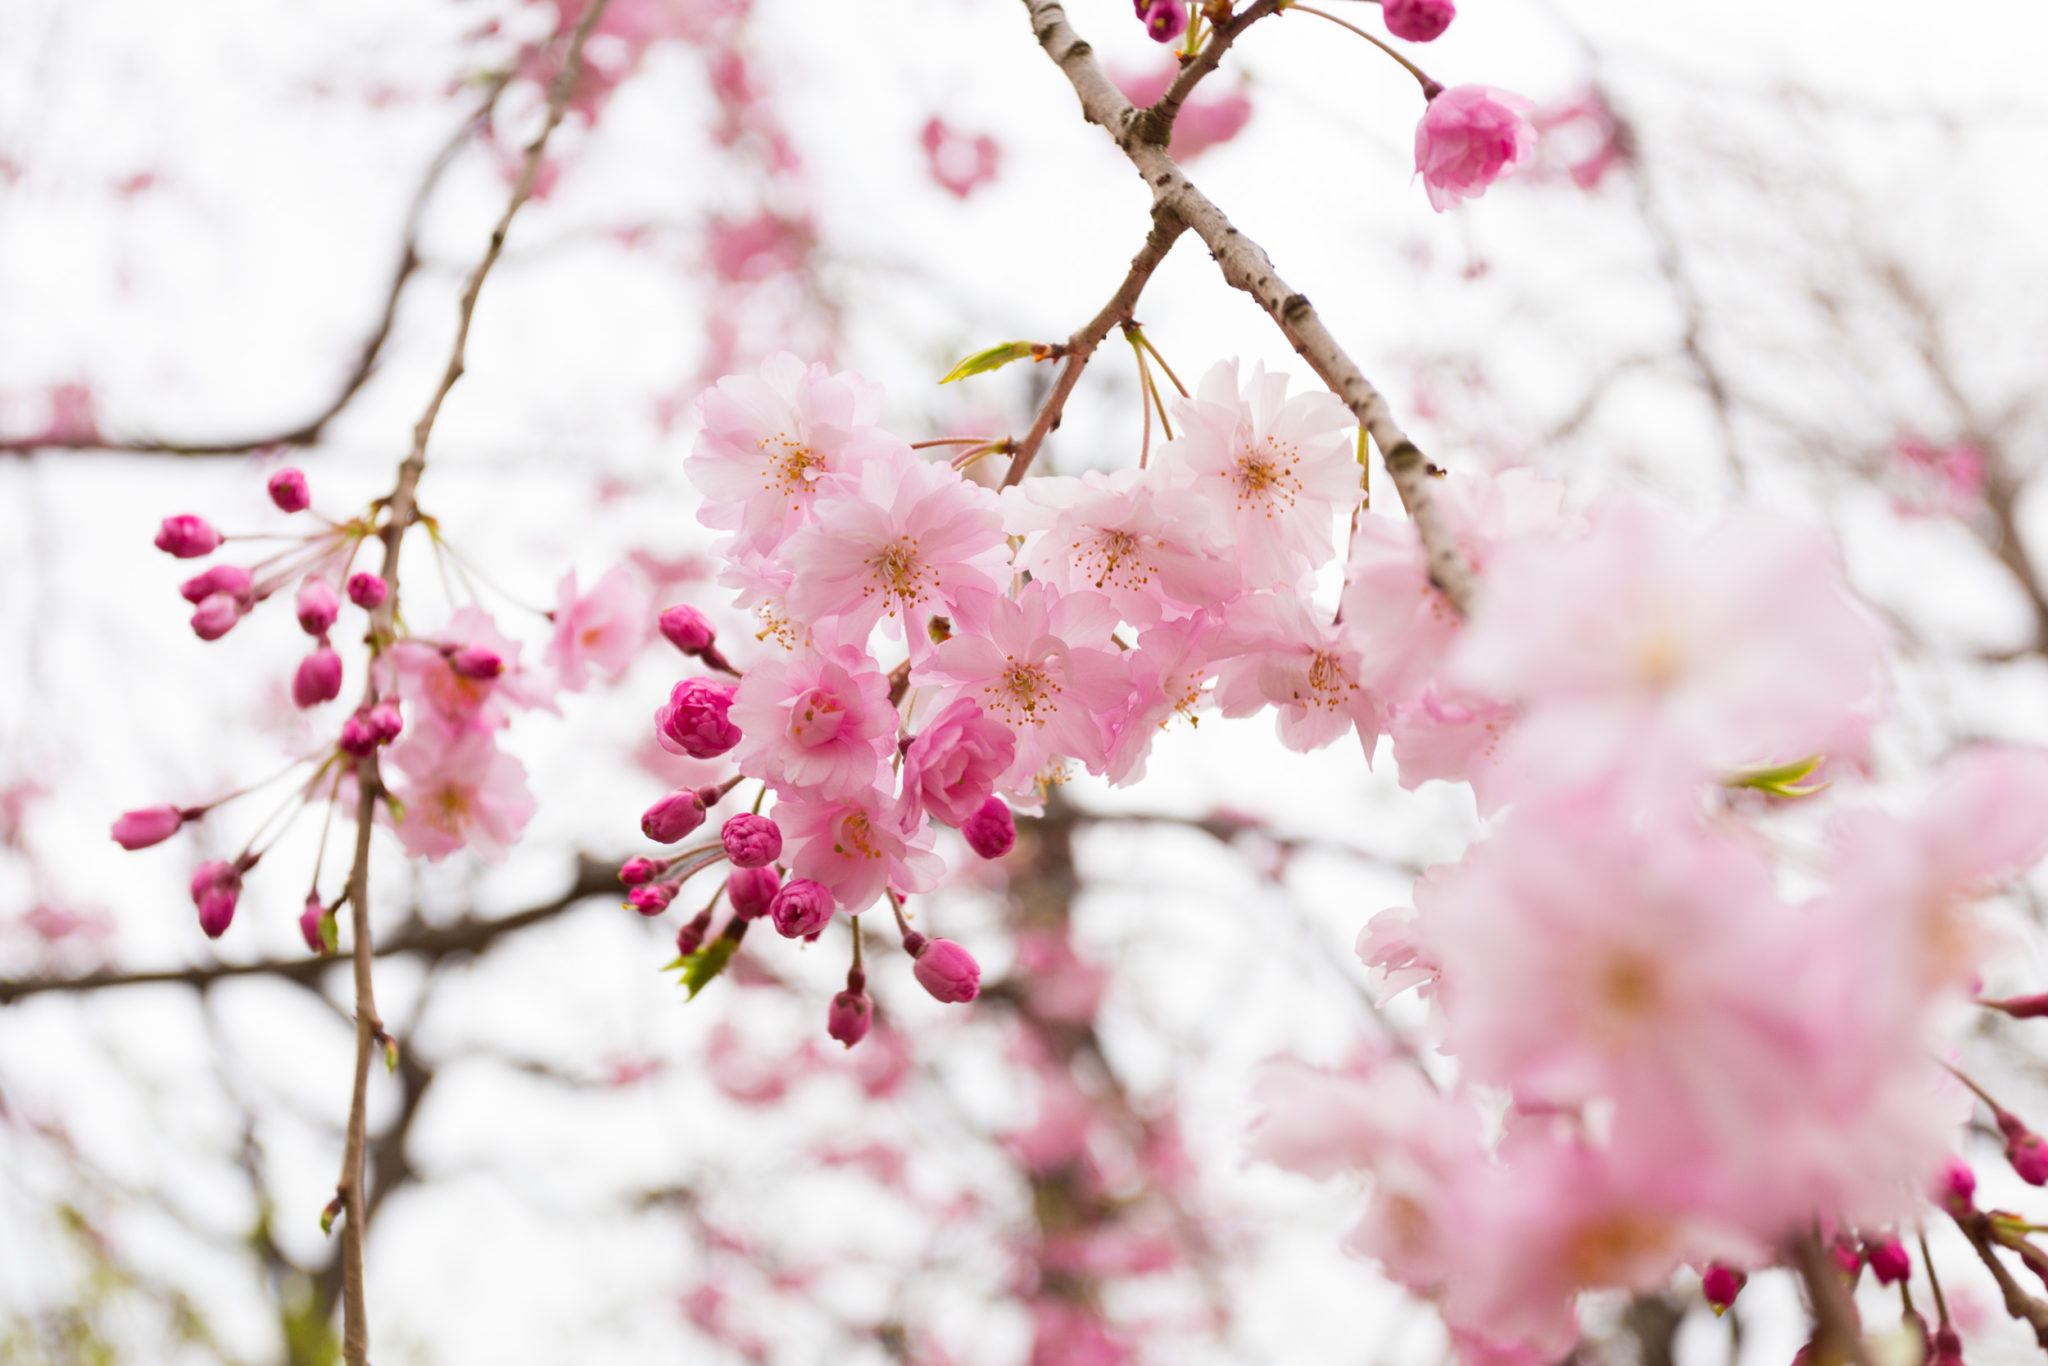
[(1834, 1313), (2018, 1303), (1142, 136)]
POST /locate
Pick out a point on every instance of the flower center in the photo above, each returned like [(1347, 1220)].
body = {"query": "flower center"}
[(856, 837), (789, 466), (815, 718), (1026, 694)]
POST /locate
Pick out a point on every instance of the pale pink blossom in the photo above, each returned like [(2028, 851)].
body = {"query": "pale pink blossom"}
[(1286, 657), (853, 846), (1205, 120), (953, 765), (769, 441), (902, 540), (1452, 734), (1024, 662), (1275, 470), (959, 162), (1170, 674), (817, 723), (458, 701), (1469, 137), (1126, 535), (458, 790), (601, 629)]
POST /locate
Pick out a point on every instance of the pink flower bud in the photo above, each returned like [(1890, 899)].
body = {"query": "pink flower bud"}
[(673, 817), (1948, 1346), (2023, 1148), (318, 678), (1469, 137), (752, 891), (687, 630), (1848, 1258), (362, 733), (214, 889), (946, 970), (386, 722), (690, 937), (317, 606), (801, 909), (1720, 1285), (1165, 20), (187, 537), (991, 831), (651, 899), (694, 720), (751, 841), (1957, 1189), (216, 616), (367, 591), (1888, 1261), (636, 871), (711, 794), (474, 661), (231, 579), (1418, 21), (851, 1014), (150, 825), (288, 490), (309, 919)]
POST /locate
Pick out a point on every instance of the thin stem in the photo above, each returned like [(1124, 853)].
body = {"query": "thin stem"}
[(1934, 1281), (950, 441), (855, 923), (1834, 1312), (1145, 392), (1430, 88), (1147, 343)]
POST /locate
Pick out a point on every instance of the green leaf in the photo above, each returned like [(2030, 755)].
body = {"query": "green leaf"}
[(1781, 780), (330, 933), (391, 1055), (706, 963), (995, 358), (327, 1220)]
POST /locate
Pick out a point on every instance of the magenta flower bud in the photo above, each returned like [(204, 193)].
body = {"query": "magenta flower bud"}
[(474, 661), (1957, 1188), (187, 537), (1720, 1285), (687, 630), (318, 679), (288, 490), (1418, 21), (851, 1014), (216, 616), (1848, 1258), (752, 891), (2023, 1148), (751, 841), (358, 736), (651, 899), (1165, 20), (385, 722), (673, 817), (309, 919), (801, 909), (1888, 1261), (694, 721), (214, 889), (991, 831), (635, 872), (690, 937), (944, 969), (150, 825), (231, 579), (317, 606), (1948, 1346), (367, 591)]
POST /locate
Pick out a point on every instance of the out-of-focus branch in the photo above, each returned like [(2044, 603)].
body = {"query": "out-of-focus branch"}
[(2018, 1303), (1837, 1335), (1142, 136), (309, 432), (1166, 229)]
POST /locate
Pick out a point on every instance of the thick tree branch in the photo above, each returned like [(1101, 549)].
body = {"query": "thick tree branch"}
[(1142, 136), (1166, 229)]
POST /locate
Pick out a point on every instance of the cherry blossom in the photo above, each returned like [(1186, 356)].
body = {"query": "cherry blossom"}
[(602, 629), (459, 790), (818, 722)]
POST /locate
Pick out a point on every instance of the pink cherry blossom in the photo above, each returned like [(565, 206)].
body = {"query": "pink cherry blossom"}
[(459, 701), (1276, 470), (1205, 120), (902, 540), (459, 790), (959, 162), (953, 765), (1170, 673), (818, 722), (1286, 657), (1127, 535), (771, 440), (601, 629), (854, 847), (1469, 137)]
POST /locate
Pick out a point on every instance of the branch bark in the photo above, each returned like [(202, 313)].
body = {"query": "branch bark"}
[(1142, 136)]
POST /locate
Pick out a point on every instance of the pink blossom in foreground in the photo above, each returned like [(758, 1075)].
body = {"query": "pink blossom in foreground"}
[(1275, 471), (902, 540), (1019, 661), (1469, 137), (602, 629), (1286, 657), (817, 722), (854, 847), (953, 765), (1418, 21), (1146, 547), (459, 790), (771, 441)]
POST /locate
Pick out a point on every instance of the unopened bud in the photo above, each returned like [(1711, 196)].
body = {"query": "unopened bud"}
[(288, 490), (651, 899), (1888, 1260), (694, 721), (1948, 1346), (946, 970), (367, 591), (2021, 1007), (751, 841), (801, 909), (150, 825), (474, 661), (991, 831), (1720, 1285), (215, 888), (317, 606), (216, 616), (687, 630), (386, 722), (363, 732), (2023, 1149), (752, 891), (231, 579), (848, 1019), (309, 924), (690, 937), (635, 872), (318, 678), (673, 817), (1957, 1188), (187, 537)]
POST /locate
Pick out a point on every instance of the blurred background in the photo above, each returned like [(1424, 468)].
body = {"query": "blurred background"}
[(1789, 253)]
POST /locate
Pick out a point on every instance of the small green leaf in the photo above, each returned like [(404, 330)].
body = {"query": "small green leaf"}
[(327, 1220), (706, 963), (1780, 780), (391, 1055), (995, 358), (330, 933)]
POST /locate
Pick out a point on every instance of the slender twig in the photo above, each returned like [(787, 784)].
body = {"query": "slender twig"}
[(1206, 61), (1834, 1313), (1430, 88), (401, 510), (1142, 136), (2018, 1303), (1166, 228)]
